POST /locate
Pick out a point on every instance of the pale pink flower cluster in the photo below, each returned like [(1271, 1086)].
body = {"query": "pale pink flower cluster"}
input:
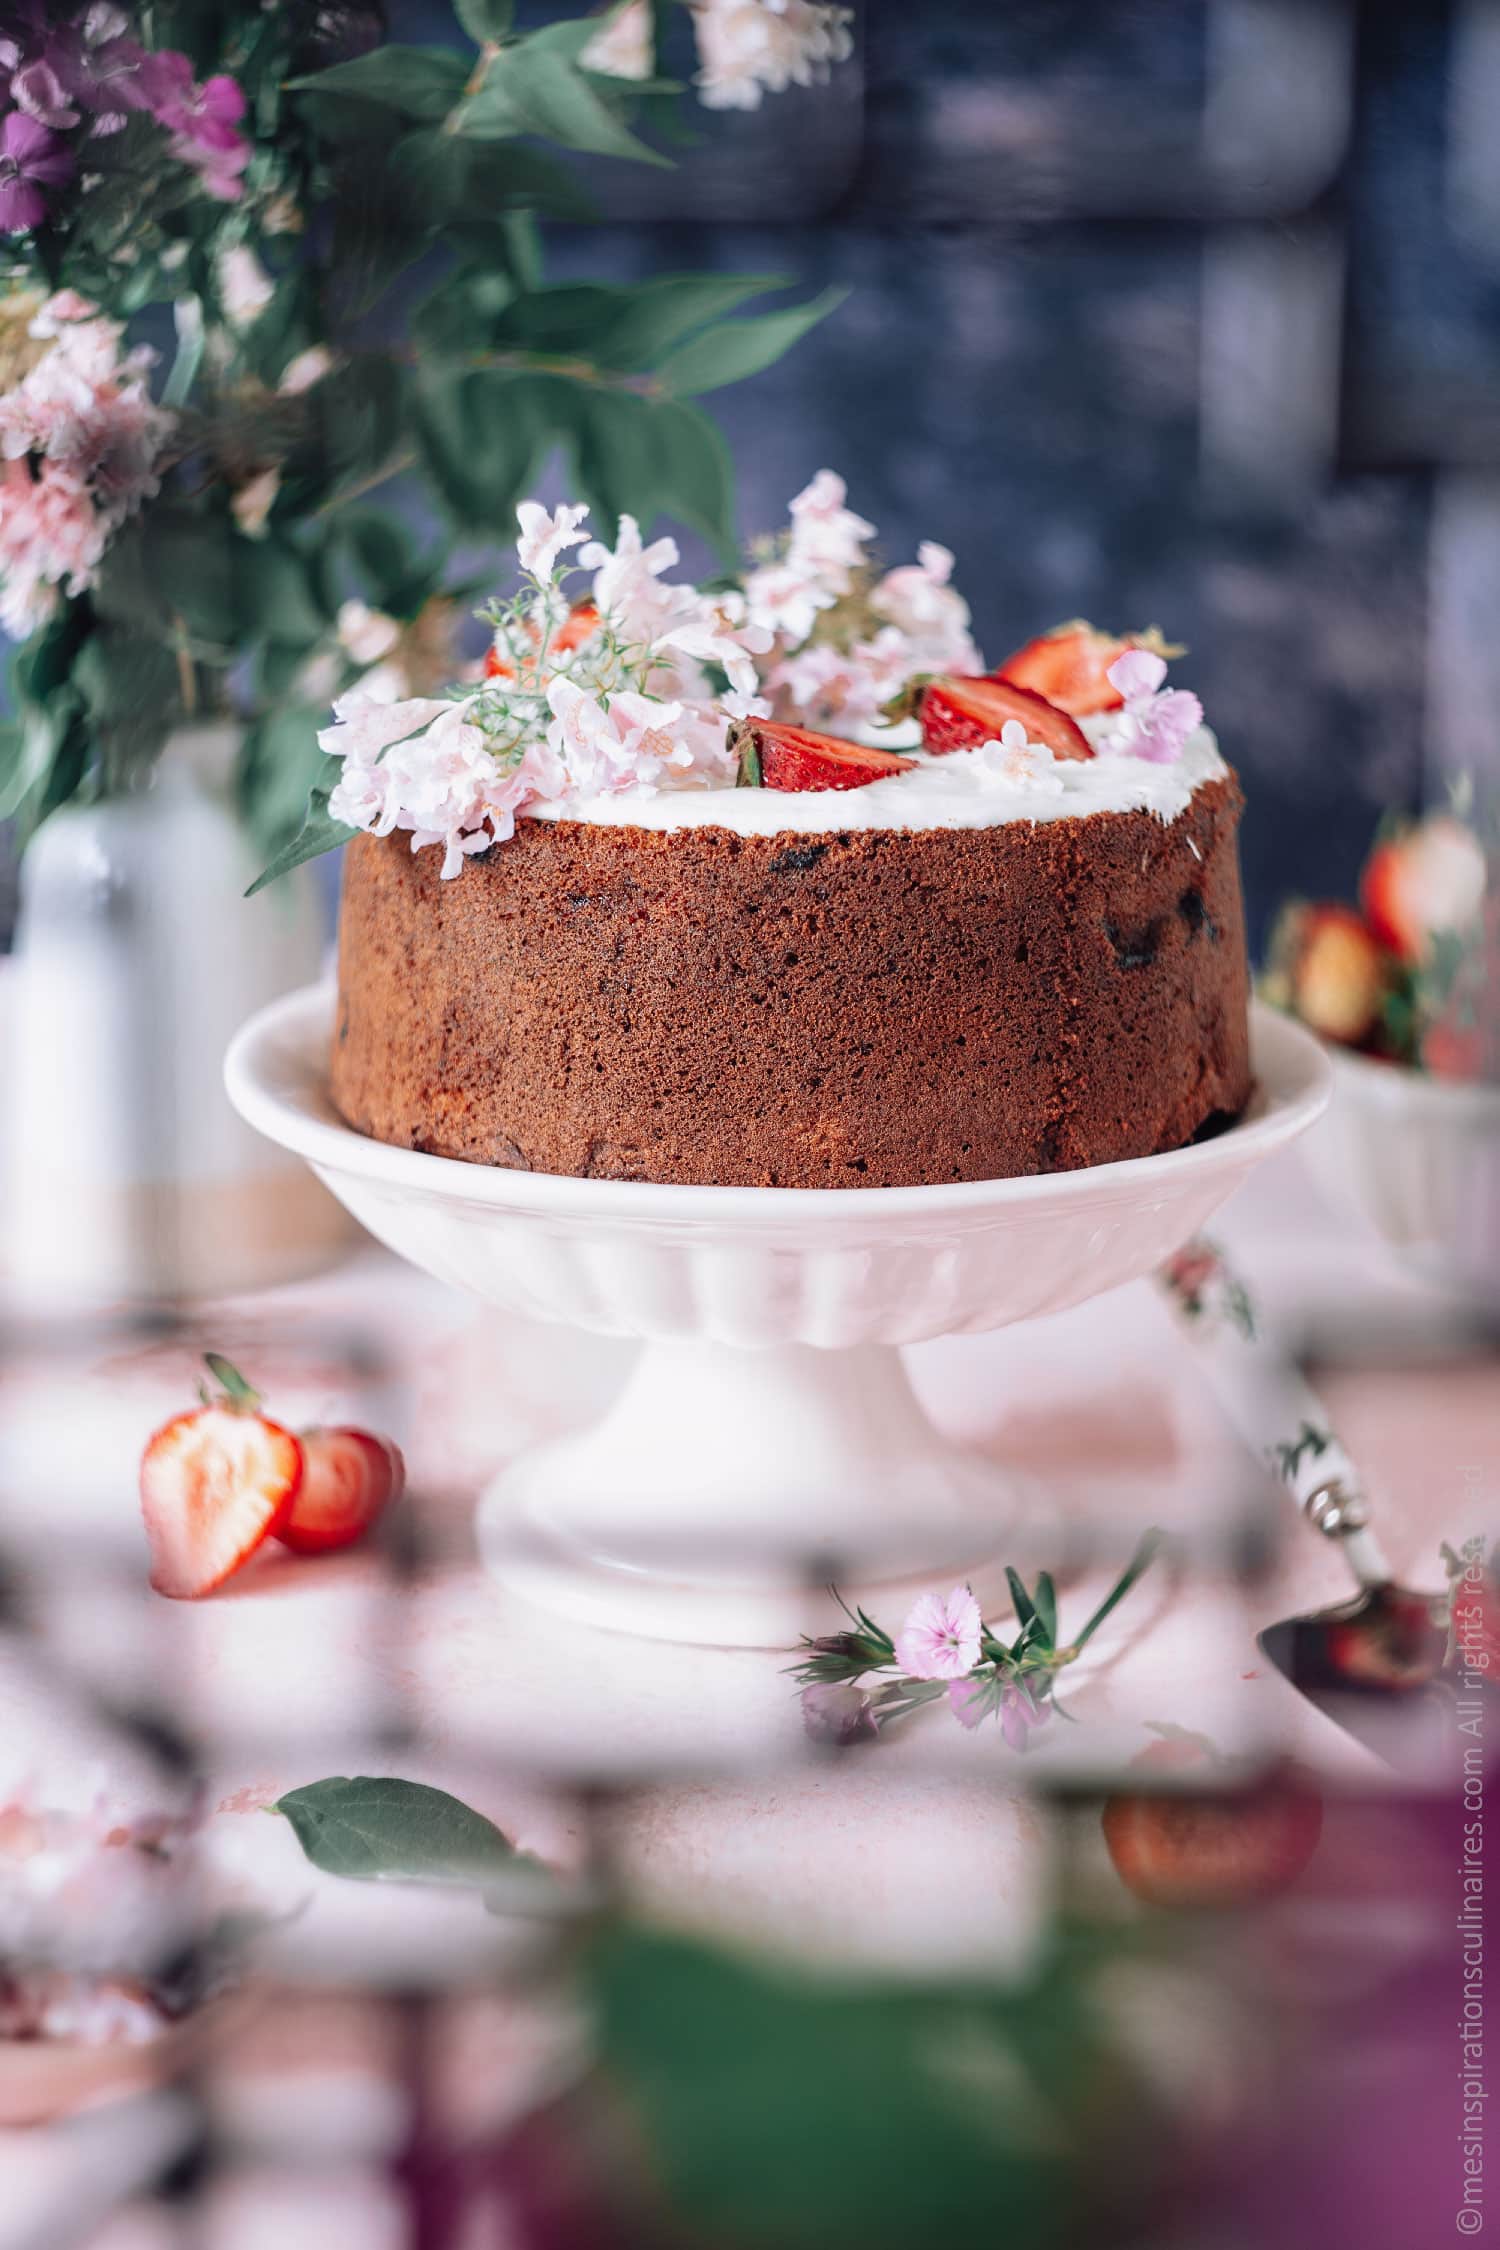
[(747, 48), (425, 766), (827, 678), (623, 47), (1156, 721), (80, 439), (631, 708)]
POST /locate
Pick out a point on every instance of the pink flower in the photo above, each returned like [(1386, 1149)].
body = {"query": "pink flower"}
[(1156, 721), (31, 158), (203, 120), (940, 1639), (37, 89), (838, 1712), (544, 539), (972, 1701)]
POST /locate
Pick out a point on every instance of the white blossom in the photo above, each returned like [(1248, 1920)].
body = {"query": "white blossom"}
[(747, 48), (624, 45), (545, 538)]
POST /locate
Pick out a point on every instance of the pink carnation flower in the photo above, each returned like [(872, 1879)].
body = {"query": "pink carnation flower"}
[(1156, 720), (941, 1636)]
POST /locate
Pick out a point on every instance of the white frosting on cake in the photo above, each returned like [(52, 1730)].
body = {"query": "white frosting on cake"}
[(979, 788)]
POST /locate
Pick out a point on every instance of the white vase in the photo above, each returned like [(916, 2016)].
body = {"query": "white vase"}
[(125, 1172)]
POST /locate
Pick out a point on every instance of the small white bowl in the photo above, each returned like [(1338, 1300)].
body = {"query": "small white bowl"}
[(1420, 1158)]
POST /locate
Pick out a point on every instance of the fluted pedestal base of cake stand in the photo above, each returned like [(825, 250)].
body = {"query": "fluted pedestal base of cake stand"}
[(768, 1438)]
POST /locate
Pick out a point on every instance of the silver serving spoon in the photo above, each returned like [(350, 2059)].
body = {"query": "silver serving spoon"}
[(1386, 1645)]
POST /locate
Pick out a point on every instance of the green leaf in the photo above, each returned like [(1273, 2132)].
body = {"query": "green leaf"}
[(483, 434), (1025, 1608), (381, 1829), (280, 765), (423, 83), (276, 598), (736, 349), (650, 320), (319, 832), (486, 20), (1140, 1562), (355, 428), (447, 177), (381, 549), (533, 87), (230, 1381), (697, 476), (1044, 1597)]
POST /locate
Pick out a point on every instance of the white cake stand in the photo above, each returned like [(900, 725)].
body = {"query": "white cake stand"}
[(768, 1435)]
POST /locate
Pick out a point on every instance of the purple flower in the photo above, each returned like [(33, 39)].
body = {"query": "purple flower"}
[(31, 158), (940, 1639), (839, 1713), (1156, 720), (37, 89)]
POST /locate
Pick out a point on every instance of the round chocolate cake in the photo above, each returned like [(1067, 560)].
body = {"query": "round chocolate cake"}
[(962, 970)]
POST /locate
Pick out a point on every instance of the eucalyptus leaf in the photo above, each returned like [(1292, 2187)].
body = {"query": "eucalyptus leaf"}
[(736, 349), (319, 832), (280, 765), (650, 320), (486, 20), (422, 83), (532, 87), (449, 177), (382, 1829), (697, 475)]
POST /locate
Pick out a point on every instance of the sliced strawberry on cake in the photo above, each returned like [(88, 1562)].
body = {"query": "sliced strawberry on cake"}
[(959, 714), (773, 756), (580, 624), (1070, 666)]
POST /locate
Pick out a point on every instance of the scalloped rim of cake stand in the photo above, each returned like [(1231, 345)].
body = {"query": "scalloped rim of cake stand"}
[(277, 1086), (768, 1438)]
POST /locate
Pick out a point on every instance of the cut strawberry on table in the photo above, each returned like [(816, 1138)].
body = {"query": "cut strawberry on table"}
[(1070, 666), (215, 1484), (781, 757), (349, 1477), (958, 714)]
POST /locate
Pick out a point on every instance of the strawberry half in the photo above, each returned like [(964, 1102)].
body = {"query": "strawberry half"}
[(1070, 665), (348, 1478), (215, 1484), (957, 714), (780, 757)]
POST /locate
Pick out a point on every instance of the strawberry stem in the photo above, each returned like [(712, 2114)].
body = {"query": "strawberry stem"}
[(237, 1392)]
